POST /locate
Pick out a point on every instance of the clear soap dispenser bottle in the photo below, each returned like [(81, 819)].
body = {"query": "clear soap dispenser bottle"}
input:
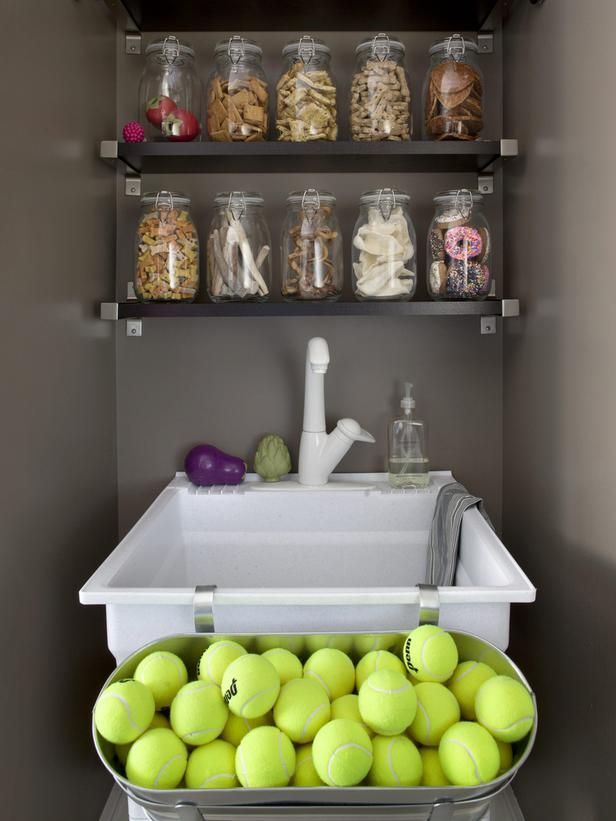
[(408, 460)]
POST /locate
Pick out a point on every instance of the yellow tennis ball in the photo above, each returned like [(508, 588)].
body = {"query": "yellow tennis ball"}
[(333, 669), (121, 750), (468, 754), (342, 753), (287, 665), (505, 708), (437, 710), (157, 760), (250, 686), (124, 711), (374, 641), (163, 673), (339, 641), (217, 658), (376, 660), (212, 767), (506, 756), (433, 775), (348, 707), (387, 702), (265, 758), (305, 771), (294, 644), (302, 709), (198, 713), (396, 762), (237, 727), (465, 682), (430, 653)]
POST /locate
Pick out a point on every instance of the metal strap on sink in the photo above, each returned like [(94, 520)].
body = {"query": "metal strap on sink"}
[(429, 604), (203, 608)]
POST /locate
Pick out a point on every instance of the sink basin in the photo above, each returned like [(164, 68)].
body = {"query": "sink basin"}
[(313, 560)]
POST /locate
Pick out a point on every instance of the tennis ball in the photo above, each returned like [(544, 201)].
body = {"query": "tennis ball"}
[(121, 750), (294, 644), (212, 767), (468, 754), (157, 760), (302, 709), (163, 673), (342, 753), (387, 702), (337, 641), (374, 641), (305, 771), (466, 680), (505, 708), (506, 756), (216, 659), (124, 711), (433, 775), (348, 707), (250, 686), (237, 727), (287, 665), (265, 758), (198, 713), (437, 710), (430, 653), (376, 660), (396, 762), (333, 669)]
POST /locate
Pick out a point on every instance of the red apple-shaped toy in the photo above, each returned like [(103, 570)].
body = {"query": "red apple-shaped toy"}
[(158, 108), (181, 126)]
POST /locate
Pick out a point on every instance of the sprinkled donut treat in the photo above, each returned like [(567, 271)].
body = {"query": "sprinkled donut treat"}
[(459, 247)]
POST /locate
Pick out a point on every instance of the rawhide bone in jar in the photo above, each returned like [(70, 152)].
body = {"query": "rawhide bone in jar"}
[(453, 91)]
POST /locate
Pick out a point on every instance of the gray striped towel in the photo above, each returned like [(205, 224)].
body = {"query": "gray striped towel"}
[(453, 499)]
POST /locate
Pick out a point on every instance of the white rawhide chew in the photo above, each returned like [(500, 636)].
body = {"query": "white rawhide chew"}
[(385, 248)]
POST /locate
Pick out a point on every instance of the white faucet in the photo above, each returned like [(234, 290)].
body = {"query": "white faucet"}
[(320, 452)]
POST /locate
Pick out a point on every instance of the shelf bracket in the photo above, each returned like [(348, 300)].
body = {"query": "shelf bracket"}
[(485, 41), (485, 183), (132, 185), (132, 42)]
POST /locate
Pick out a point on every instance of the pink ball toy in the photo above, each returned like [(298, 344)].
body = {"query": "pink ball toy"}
[(133, 132)]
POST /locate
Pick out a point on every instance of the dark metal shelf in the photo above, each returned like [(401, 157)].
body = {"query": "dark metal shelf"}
[(268, 157), (317, 15), (168, 310)]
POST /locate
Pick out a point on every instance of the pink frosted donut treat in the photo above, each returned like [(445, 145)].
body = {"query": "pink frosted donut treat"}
[(463, 242)]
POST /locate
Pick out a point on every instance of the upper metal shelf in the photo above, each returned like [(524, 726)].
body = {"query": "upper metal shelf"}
[(267, 157), (317, 15)]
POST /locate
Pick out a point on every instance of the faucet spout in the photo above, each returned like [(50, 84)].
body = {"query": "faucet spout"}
[(317, 362)]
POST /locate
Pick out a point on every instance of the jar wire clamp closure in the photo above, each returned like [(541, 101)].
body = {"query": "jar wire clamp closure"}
[(456, 47), (381, 48), (460, 207), (169, 204), (171, 49), (236, 49), (311, 203), (236, 205), (306, 49), (386, 202)]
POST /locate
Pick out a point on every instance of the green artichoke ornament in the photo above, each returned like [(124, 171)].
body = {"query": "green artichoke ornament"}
[(272, 459)]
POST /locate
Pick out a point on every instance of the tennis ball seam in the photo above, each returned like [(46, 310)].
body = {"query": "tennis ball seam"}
[(390, 762), (281, 756), (506, 729), (425, 665), (126, 706), (461, 676), (470, 755), (186, 736), (309, 719), (252, 698), (217, 646), (164, 768), (211, 778), (203, 686), (348, 745), (426, 719), (242, 767), (312, 674), (387, 690), (169, 659)]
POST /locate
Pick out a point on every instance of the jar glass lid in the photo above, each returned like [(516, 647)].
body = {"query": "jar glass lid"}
[(306, 47), (165, 199), (456, 45), (379, 195), (311, 196), (170, 48), (380, 45), (239, 198), (458, 193), (237, 47)]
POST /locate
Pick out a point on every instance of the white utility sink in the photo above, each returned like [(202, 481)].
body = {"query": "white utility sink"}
[(311, 560)]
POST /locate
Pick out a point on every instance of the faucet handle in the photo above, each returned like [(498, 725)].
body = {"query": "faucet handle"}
[(354, 431)]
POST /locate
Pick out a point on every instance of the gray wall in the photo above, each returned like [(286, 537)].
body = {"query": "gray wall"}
[(227, 381), (560, 397), (58, 499)]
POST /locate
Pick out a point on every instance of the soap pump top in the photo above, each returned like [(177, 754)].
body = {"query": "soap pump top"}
[(407, 403)]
